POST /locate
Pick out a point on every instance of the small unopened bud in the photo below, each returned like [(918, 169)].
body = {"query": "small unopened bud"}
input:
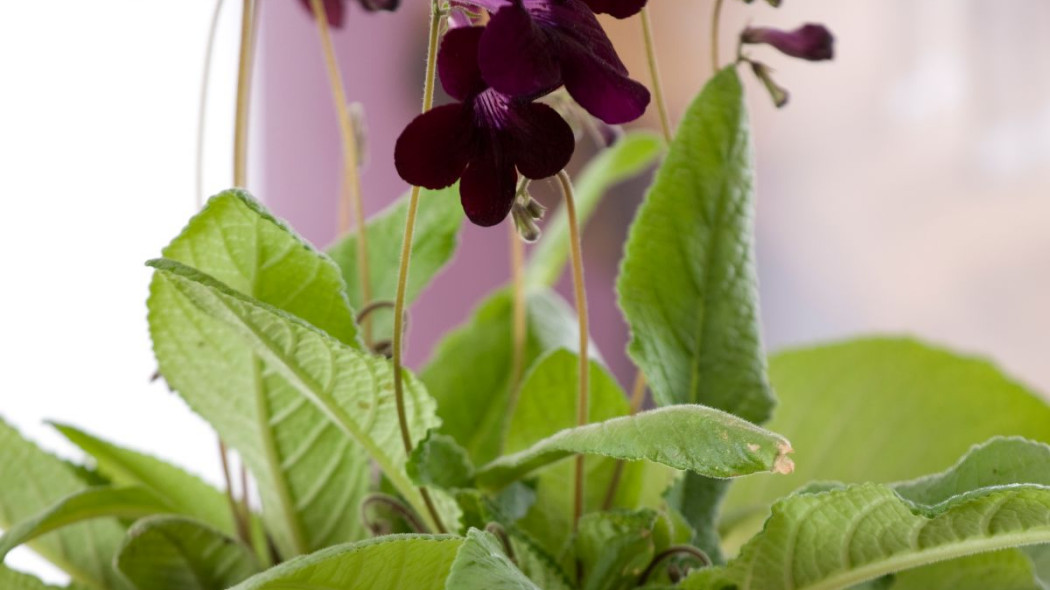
[(778, 93), (535, 209), (810, 42), (525, 224)]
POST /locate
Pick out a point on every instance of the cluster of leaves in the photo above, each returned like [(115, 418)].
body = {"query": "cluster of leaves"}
[(256, 331)]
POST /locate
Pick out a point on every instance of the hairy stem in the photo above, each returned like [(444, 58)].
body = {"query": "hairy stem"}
[(202, 108), (406, 255), (244, 93), (654, 74), (352, 201), (637, 398), (582, 400), (243, 532), (716, 18)]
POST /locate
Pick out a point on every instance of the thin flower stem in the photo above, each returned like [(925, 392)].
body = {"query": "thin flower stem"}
[(716, 18), (402, 275), (519, 325), (654, 73), (202, 110), (637, 398), (244, 92), (582, 402), (352, 200), (238, 517)]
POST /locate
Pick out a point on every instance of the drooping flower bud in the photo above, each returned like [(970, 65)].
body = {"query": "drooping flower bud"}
[(810, 42), (779, 95), (525, 212)]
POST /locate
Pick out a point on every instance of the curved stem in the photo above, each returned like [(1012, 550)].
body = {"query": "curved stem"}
[(352, 201), (244, 93), (394, 504), (582, 401), (715, 19), (671, 552), (209, 51), (654, 73), (406, 255), (518, 315)]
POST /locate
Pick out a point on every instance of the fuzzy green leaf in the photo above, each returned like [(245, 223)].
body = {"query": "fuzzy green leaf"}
[(629, 156), (434, 241), (352, 388), (396, 562), (1009, 569), (177, 553), (438, 461), (695, 438), (90, 504), (185, 493), (687, 285), (615, 547), (469, 373), (33, 481), (884, 410), (481, 564), (311, 474)]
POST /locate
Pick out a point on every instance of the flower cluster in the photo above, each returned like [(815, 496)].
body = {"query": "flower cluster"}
[(335, 10), (810, 42), (496, 73)]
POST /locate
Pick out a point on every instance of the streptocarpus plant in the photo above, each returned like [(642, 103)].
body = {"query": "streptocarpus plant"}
[(514, 459)]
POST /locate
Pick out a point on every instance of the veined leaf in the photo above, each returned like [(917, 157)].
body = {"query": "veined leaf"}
[(629, 156), (1009, 569), (839, 538), (352, 388), (89, 504), (469, 374), (615, 547), (438, 220), (857, 411), (311, 475), (32, 482), (547, 405), (396, 562), (438, 461), (181, 491), (177, 553), (13, 580), (687, 285), (481, 564), (695, 438)]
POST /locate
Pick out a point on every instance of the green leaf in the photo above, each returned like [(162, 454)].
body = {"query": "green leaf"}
[(438, 220), (181, 491), (311, 475), (396, 562), (481, 564), (89, 504), (884, 410), (696, 438), (687, 285), (1001, 570), (177, 553), (33, 481), (352, 388), (615, 547), (547, 404), (1040, 558), (469, 373), (14, 580), (629, 156), (438, 461), (836, 539), (697, 499)]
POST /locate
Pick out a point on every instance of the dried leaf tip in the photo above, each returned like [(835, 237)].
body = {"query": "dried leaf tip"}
[(783, 464)]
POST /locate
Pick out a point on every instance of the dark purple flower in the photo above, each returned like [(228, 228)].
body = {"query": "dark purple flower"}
[(484, 140), (617, 8), (810, 42), (336, 9), (531, 47)]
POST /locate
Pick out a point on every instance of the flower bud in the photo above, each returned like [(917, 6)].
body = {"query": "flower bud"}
[(535, 209), (810, 42), (779, 94)]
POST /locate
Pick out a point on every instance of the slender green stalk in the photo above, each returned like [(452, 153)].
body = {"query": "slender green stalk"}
[(582, 401), (209, 51), (352, 203), (406, 255), (716, 18), (654, 74), (238, 518), (519, 324), (244, 92)]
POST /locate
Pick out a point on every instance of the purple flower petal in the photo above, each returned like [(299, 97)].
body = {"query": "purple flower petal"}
[(435, 147), (602, 91), (542, 142), (374, 5), (617, 8), (810, 42), (334, 10), (516, 55), (487, 188), (458, 63)]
